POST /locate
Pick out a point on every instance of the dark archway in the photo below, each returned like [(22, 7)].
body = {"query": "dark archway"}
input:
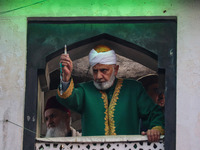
[(81, 49)]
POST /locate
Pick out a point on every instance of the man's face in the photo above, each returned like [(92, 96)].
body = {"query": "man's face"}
[(104, 75), (53, 117), (157, 97)]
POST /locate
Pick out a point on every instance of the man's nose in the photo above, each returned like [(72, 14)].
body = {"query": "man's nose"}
[(49, 122), (99, 75)]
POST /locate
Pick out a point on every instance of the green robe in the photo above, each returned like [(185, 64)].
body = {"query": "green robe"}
[(115, 111)]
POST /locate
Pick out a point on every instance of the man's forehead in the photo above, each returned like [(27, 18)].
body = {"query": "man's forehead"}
[(51, 111), (102, 66)]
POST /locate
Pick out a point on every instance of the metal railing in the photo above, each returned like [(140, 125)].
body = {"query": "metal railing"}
[(126, 142)]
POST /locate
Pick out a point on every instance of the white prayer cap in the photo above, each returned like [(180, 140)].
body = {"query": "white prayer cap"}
[(102, 55)]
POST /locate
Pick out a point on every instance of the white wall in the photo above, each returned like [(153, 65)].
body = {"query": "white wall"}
[(188, 77), (12, 80), (13, 32)]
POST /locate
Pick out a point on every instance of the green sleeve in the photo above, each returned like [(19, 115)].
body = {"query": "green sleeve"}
[(72, 98)]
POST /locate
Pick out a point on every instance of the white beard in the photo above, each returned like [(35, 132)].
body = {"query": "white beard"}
[(105, 85), (59, 131)]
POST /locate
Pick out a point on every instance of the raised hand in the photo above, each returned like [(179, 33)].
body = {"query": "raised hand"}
[(67, 67)]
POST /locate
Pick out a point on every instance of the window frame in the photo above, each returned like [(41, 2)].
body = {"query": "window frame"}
[(164, 59)]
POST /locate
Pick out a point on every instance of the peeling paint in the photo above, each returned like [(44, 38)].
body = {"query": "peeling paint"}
[(197, 125), (20, 80), (33, 119), (171, 53), (5, 127), (1, 92), (28, 118)]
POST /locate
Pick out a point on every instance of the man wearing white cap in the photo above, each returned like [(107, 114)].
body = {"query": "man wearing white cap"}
[(108, 105)]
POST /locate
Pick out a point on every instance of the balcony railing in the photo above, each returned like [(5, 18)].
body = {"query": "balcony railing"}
[(127, 142)]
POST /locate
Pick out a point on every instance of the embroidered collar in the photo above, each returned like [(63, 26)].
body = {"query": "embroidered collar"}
[(109, 111)]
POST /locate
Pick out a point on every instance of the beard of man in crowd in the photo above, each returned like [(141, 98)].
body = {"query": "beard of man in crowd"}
[(57, 131), (57, 118)]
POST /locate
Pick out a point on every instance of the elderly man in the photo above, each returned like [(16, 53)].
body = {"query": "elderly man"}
[(57, 119), (109, 106), (151, 85)]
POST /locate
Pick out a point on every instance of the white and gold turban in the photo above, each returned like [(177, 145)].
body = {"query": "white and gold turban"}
[(102, 55)]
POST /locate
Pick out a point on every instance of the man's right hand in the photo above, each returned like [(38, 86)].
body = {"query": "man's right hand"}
[(153, 135), (67, 67)]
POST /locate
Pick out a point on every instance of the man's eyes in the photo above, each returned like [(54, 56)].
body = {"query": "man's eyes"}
[(95, 71), (50, 117), (101, 70), (104, 70)]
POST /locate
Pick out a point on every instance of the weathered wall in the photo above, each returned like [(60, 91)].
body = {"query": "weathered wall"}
[(13, 32), (12, 80)]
